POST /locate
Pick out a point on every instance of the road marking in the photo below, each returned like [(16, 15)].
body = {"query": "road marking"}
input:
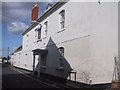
[(33, 78)]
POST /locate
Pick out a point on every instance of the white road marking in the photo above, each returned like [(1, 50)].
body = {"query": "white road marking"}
[(33, 78)]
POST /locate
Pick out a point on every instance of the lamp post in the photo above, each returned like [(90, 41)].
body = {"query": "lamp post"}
[(7, 54)]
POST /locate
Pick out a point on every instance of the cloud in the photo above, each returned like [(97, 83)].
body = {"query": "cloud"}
[(14, 11), (17, 27), (20, 11)]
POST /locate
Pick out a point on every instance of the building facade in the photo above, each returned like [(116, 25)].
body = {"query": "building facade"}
[(72, 40)]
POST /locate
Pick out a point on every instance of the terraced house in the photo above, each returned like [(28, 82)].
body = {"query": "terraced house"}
[(72, 40)]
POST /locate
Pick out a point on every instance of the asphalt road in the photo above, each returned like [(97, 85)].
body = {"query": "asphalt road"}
[(14, 79)]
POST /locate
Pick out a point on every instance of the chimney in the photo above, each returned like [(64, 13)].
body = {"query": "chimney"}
[(35, 13)]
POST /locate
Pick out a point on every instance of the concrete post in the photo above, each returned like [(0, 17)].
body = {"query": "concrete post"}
[(39, 65)]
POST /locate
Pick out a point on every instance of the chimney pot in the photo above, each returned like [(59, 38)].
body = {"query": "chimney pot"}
[(35, 13)]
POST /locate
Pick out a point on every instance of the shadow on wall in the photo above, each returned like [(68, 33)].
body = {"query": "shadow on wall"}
[(53, 62)]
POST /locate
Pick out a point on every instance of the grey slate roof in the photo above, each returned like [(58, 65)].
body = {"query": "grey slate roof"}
[(18, 49)]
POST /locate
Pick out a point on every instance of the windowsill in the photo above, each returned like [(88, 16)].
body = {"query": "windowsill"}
[(44, 67), (61, 30), (60, 68), (39, 40)]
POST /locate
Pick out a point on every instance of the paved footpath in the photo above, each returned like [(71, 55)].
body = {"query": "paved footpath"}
[(13, 79)]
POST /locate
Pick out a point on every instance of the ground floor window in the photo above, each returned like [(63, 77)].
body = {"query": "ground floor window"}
[(61, 56)]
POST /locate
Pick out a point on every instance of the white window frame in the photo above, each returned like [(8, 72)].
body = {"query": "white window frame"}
[(45, 29), (61, 58), (39, 34), (62, 20), (39, 37)]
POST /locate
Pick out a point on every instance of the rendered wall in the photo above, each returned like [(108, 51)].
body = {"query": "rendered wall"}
[(90, 40)]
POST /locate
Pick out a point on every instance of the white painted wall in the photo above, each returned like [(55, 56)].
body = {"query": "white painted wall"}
[(90, 40)]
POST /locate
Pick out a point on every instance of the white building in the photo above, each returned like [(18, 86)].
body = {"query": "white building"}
[(73, 40)]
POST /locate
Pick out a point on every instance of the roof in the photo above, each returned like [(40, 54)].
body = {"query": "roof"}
[(40, 51), (18, 49), (55, 6), (3, 58)]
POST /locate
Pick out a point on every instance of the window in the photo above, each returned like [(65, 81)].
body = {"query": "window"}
[(45, 29), (61, 56), (39, 32), (62, 19)]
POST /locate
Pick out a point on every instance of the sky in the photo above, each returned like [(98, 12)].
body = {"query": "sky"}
[(16, 18)]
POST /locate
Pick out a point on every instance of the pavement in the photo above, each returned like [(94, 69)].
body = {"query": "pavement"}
[(19, 78), (13, 77)]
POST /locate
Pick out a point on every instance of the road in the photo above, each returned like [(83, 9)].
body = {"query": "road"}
[(14, 79)]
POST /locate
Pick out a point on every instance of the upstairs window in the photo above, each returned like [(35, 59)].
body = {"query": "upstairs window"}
[(39, 32), (45, 29), (62, 19)]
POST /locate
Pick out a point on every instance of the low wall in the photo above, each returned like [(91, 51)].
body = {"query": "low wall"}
[(116, 84)]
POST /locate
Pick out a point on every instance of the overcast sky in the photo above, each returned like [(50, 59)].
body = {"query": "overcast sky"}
[(16, 18), (17, 15)]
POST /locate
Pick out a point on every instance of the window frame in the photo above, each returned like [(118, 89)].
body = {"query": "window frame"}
[(61, 51), (62, 20), (45, 29), (39, 35)]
